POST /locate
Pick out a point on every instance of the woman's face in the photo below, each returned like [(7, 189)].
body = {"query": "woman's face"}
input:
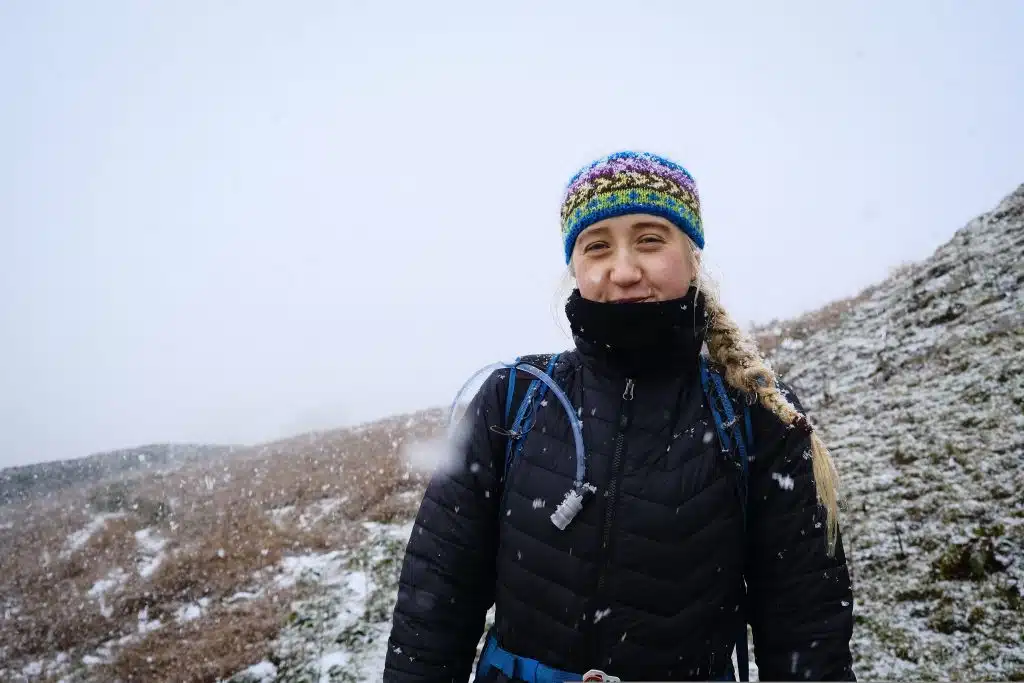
[(632, 258)]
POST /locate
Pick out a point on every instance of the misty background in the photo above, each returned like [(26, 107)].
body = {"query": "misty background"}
[(232, 222)]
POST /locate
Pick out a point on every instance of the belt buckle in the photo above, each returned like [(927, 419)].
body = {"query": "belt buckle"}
[(598, 676)]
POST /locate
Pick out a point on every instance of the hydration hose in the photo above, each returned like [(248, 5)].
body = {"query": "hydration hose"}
[(573, 501)]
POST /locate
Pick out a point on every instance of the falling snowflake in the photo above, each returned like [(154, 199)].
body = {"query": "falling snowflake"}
[(785, 481)]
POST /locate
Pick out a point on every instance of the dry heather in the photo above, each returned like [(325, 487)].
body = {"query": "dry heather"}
[(93, 569), (206, 649)]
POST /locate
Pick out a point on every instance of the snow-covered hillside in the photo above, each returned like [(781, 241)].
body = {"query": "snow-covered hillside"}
[(919, 387)]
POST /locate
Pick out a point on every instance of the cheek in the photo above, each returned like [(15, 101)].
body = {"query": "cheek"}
[(589, 280), (670, 275)]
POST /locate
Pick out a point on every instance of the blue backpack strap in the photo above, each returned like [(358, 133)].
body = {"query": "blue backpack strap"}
[(526, 413), (725, 412)]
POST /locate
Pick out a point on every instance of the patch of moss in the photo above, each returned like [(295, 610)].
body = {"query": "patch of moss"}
[(352, 635), (1011, 595), (970, 421), (903, 456), (915, 514), (944, 621), (920, 593), (993, 531), (969, 561)]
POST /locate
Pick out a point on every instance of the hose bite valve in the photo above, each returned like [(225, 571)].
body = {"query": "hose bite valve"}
[(571, 505)]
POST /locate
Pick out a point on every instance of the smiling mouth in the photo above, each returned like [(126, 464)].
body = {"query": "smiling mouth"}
[(633, 300)]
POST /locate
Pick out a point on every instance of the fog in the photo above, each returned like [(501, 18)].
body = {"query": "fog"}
[(230, 223)]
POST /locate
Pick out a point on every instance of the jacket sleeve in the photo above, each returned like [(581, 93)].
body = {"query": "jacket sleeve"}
[(446, 584), (800, 600)]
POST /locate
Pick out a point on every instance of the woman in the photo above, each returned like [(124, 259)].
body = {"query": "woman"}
[(647, 581)]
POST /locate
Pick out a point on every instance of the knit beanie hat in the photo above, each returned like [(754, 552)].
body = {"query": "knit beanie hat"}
[(630, 182)]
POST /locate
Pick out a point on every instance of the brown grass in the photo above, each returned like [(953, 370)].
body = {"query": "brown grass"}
[(206, 649), (222, 535)]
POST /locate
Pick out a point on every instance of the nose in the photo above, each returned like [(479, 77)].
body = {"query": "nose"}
[(625, 271)]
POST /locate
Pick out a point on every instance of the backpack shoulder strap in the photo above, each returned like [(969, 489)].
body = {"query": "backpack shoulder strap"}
[(524, 390), (731, 414), (735, 434), (519, 382)]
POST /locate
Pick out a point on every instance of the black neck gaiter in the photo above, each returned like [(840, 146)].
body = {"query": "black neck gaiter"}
[(661, 337)]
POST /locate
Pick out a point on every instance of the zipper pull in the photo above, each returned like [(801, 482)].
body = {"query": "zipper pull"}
[(625, 417)]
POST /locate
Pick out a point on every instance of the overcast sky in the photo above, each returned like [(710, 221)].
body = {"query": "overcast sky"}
[(235, 221)]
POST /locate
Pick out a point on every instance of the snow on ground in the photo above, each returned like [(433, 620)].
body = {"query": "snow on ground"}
[(33, 669), (191, 610), (326, 569), (145, 623), (150, 549), (114, 580), (79, 538), (282, 514), (263, 672), (340, 632), (310, 515)]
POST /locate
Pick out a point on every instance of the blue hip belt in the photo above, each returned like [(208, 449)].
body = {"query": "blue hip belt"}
[(519, 668)]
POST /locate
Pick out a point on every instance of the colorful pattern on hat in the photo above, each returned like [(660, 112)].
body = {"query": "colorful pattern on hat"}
[(630, 182)]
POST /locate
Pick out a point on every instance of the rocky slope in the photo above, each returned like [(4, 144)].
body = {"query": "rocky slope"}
[(919, 387)]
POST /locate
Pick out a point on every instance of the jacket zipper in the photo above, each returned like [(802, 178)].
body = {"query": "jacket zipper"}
[(625, 418)]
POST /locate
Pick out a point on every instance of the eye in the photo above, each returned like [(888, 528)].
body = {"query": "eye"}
[(652, 239), (593, 246)]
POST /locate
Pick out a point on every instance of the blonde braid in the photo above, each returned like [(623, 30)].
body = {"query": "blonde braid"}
[(745, 369)]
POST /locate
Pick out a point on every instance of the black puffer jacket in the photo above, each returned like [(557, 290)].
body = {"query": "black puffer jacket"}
[(646, 582)]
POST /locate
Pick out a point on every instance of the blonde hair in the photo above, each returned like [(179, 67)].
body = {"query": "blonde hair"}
[(745, 369)]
